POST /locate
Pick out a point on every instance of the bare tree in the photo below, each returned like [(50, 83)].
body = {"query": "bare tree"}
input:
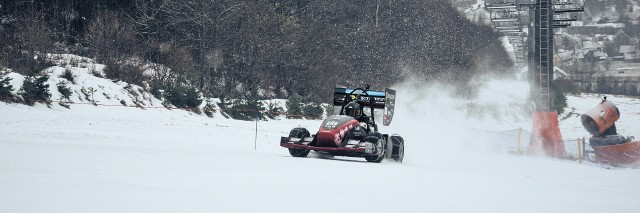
[(33, 41), (110, 36)]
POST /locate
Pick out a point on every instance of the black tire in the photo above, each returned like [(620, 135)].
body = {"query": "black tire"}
[(397, 152), (301, 153), (324, 155), (381, 146), (299, 133)]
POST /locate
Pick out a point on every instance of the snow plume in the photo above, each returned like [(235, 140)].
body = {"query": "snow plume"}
[(437, 121)]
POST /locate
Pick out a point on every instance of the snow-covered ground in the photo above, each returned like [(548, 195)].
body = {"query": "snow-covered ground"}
[(121, 159)]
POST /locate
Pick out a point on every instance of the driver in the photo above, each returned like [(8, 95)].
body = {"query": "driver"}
[(354, 110)]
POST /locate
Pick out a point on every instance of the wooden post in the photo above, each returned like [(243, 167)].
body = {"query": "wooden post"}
[(579, 141), (584, 148), (519, 141)]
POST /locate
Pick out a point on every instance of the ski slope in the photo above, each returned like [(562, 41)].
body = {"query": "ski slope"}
[(119, 159)]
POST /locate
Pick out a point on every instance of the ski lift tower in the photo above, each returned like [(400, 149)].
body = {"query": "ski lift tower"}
[(548, 15), (508, 17), (544, 16)]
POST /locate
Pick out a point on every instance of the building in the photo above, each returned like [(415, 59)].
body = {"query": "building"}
[(631, 53)]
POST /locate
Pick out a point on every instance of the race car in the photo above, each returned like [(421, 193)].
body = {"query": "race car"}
[(352, 132)]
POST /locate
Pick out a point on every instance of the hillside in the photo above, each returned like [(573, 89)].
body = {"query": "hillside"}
[(108, 158), (225, 48)]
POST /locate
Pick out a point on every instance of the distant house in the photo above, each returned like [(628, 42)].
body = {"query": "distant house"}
[(590, 52), (621, 37), (565, 56), (631, 53), (559, 73), (634, 17), (558, 41)]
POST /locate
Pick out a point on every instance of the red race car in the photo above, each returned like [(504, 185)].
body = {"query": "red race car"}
[(353, 132)]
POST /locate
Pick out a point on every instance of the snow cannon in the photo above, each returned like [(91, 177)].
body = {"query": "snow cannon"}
[(608, 145), (601, 119)]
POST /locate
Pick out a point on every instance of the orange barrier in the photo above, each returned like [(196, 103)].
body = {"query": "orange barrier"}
[(626, 153), (545, 135), (601, 118)]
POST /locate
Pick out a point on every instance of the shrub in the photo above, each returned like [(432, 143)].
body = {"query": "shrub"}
[(94, 71), (183, 95), (35, 90), (5, 89), (273, 110), (88, 94), (26, 64), (559, 88), (125, 72), (294, 105), (67, 74), (240, 109), (224, 105), (64, 90), (253, 106), (209, 109), (312, 111), (248, 107)]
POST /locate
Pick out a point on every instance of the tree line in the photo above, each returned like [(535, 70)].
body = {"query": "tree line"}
[(226, 48)]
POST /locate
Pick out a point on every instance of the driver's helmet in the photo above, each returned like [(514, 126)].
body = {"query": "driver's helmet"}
[(353, 109)]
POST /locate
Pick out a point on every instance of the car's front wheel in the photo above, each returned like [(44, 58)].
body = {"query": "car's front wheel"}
[(299, 133), (381, 145)]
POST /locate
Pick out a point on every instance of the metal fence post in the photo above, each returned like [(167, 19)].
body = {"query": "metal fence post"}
[(255, 140)]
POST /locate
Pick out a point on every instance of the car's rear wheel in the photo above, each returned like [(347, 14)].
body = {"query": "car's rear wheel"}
[(299, 133), (397, 152)]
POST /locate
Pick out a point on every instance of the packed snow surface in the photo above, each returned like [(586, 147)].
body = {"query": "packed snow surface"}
[(123, 159)]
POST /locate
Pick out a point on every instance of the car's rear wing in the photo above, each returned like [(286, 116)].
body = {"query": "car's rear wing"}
[(374, 99)]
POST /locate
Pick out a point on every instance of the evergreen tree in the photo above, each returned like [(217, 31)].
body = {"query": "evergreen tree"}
[(248, 107), (5, 89), (255, 108), (559, 88), (225, 105), (294, 105), (273, 110), (312, 111), (35, 90), (183, 95), (64, 90)]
